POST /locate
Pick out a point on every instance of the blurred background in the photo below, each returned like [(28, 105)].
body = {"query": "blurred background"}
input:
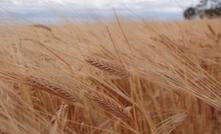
[(53, 11)]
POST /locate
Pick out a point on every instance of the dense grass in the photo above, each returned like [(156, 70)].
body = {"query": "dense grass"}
[(112, 78)]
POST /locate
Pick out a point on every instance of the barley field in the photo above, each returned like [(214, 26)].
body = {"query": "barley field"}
[(120, 77)]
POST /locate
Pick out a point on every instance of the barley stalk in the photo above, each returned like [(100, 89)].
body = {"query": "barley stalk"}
[(42, 26), (54, 89), (107, 66), (211, 30), (110, 105)]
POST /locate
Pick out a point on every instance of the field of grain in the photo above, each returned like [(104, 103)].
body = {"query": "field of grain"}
[(111, 78)]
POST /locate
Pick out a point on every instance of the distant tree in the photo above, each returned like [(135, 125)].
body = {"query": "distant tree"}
[(189, 13), (205, 8)]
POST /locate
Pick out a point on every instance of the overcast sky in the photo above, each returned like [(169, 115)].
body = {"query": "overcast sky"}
[(87, 10)]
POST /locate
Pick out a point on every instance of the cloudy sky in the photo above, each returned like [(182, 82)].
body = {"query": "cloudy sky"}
[(47, 11)]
